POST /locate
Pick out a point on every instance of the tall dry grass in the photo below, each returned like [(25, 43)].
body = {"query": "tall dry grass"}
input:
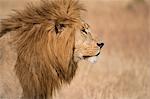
[(123, 69)]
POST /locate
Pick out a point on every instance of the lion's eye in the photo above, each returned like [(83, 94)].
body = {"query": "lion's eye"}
[(84, 31)]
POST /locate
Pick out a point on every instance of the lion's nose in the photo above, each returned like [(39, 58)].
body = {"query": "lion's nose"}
[(100, 45)]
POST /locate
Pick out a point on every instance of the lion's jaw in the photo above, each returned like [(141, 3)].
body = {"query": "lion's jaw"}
[(86, 48)]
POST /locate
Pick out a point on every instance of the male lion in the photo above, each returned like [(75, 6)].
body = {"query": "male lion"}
[(40, 48)]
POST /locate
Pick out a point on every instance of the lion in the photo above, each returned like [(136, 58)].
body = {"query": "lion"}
[(40, 48)]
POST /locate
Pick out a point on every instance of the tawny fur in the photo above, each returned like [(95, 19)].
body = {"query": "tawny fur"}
[(45, 58)]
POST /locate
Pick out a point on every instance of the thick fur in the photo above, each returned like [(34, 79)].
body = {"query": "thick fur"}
[(45, 57)]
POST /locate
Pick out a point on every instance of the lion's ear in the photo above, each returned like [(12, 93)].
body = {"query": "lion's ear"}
[(59, 27)]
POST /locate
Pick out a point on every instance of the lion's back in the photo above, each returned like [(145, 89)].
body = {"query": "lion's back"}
[(9, 84)]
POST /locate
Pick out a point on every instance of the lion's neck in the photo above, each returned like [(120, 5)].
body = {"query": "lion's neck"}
[(40, 81), (37, 82)]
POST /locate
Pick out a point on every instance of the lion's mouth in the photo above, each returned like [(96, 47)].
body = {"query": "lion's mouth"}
[(91, 59), (85, 57)]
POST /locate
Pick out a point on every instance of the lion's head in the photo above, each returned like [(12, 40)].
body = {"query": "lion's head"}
[(50, 39), (86, 47)]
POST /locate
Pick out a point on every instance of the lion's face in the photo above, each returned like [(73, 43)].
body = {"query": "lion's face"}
[(85, 46), (77, 37)]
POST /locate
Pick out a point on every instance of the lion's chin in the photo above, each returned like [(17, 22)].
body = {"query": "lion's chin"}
[(92, 59)]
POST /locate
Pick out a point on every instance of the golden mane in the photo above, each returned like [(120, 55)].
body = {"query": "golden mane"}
[(45, 61)]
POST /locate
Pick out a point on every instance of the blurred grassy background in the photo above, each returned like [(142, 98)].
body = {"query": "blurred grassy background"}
[(123, 69)]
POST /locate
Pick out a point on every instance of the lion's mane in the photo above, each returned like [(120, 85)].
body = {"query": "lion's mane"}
[(45, 60)]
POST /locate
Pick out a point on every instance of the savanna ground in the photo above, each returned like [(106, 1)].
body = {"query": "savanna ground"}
[(123, 69)]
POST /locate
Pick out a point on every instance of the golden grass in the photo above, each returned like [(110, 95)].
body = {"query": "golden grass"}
[(123, 69)]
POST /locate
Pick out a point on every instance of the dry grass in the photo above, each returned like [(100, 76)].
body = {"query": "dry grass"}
[(123, 70)]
